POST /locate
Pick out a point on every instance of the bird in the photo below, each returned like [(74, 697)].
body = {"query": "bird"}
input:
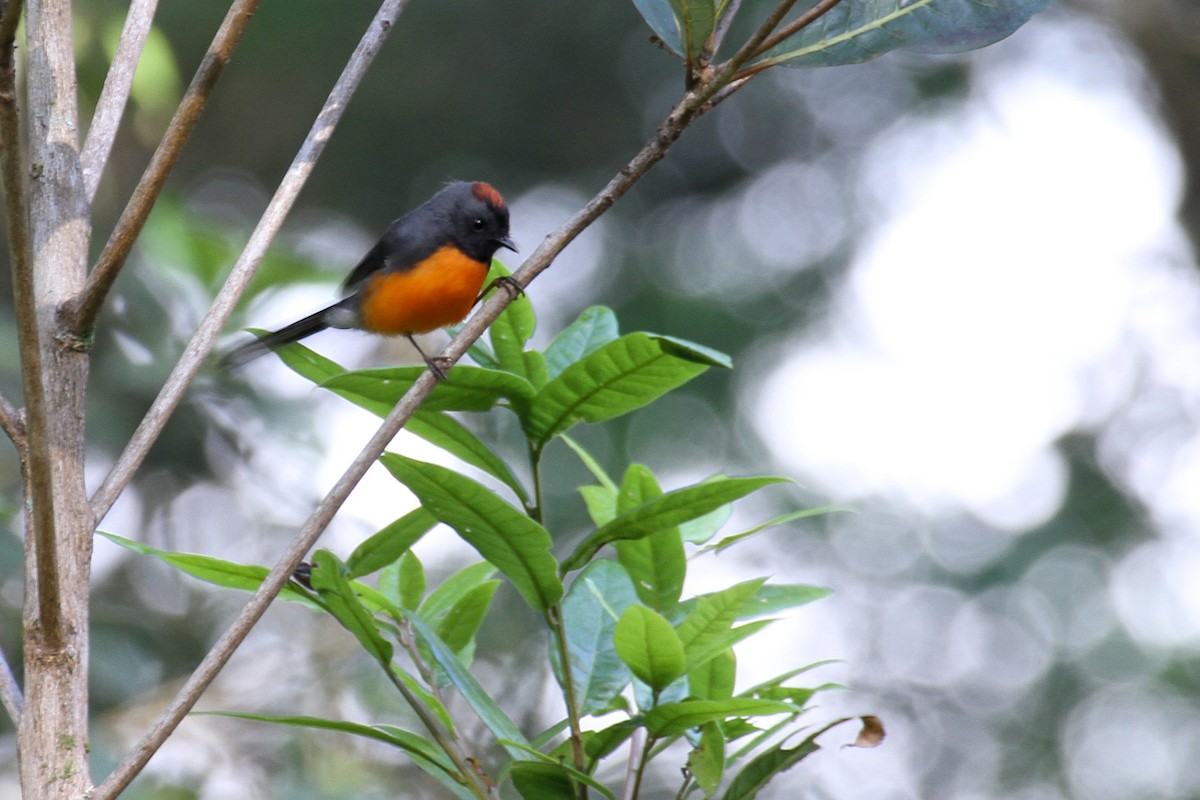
[(424, 273)]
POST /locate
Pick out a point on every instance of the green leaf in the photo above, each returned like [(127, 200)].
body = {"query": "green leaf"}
[(649, 645), (452, 436), (454, 589), (759, 772), (691, 351), (704, 631), (619, 377), (330, 582), (729, 541), (656, 563), (671, 509), (459, 626), (714, 679), (518, 546), (410, 576), (672, 719), (563, 769), (601, 503), (595, 327), (770, 599), (701, 529), (226, 574), (537, 780), (512, 328), (306, 362), (424, 753), (706, 762), (660, 16), (481, 703), (599, 744), (593, 466), (854, 32), (697, 18), (384, 547), (467, 388), (590, 610)]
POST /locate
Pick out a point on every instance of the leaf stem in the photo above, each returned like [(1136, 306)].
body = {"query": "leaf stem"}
[(795, 26), (559, 632)]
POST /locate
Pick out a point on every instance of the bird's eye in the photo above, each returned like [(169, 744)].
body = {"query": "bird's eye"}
[(477, 223)]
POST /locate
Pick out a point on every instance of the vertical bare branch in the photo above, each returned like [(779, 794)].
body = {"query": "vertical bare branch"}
[(53, 734), (83, 316), (14, 189), (239, 277), (115, 94)]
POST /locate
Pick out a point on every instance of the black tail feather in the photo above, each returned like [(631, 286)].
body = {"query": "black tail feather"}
[(292, 333)]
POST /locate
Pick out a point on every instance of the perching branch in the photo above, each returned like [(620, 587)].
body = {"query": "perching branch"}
[(264, 233), (694, 104), (82, 317), (115, 95)]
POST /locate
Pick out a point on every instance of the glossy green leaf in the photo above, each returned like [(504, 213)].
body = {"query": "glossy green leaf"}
[(704, 631), (563, 770), (672, 719), (452, 436), (615, 379), (227, 574), (852, 32), (460, 624), (306, 362), (512, 329), (696, 18), (648, 644), (590, 610), (424, 753), (595, 327), (410, 574), (656, 562), (660, 16), (601, 503), (763, 768), (480, 701), (518, 546), (770, 599), (466, 388), (669, 510), (714, 679), (783, 519), (593, 466), (380, 549), (330, 582), (706, 762), (701, 529), (537, 780), (453, 589)]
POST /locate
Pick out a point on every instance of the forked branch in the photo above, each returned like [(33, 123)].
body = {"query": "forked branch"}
[(100, 281)]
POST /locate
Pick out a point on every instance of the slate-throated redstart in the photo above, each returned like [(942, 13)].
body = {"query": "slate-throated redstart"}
[(424, 273)]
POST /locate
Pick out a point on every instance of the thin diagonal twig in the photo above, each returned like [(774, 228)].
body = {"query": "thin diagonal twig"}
[(795, 26), (10, 692), (83, 316), (115, 94), (201, 345)]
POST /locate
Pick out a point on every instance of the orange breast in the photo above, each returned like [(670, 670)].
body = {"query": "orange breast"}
[(440, 291)]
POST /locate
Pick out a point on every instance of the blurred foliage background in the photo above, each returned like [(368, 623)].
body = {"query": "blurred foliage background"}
[(960, 292)]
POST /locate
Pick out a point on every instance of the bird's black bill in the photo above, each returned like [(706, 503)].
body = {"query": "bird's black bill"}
[(509, 243)]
